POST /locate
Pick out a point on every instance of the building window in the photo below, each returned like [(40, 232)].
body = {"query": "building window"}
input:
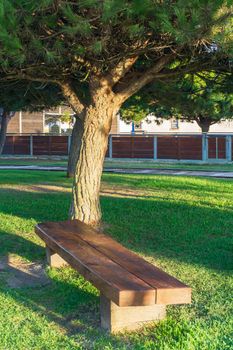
[(174, 124), (57, 123)]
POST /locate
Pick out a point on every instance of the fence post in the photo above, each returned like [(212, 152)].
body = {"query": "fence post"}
[(155, 147), (204, 147), (110, 146), (31, 145), (229, 148), (216, 146)]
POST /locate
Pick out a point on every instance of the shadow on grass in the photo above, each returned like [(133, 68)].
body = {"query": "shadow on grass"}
[(159, 228), (184, 232), (61, 299), (189, 232)]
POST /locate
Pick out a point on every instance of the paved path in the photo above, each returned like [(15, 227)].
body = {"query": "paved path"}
[(218, 174), (32, 167), (175, 172)]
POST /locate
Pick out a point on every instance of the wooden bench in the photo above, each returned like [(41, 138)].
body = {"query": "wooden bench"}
[(132, 291)]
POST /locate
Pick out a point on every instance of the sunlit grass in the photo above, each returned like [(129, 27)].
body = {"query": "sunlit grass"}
[(182, 224)]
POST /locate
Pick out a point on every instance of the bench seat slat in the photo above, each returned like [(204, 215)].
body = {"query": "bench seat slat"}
[(119, 285), (169, 290)]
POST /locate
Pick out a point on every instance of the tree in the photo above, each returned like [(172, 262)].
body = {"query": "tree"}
[(28, 96), (75, 146), (5, 117), (76, 136), (24, 96), (203, 97), (101, 53)]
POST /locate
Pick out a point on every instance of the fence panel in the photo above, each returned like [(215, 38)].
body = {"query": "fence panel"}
[(59, 145), (21, 145), (17, 145), (41, 145), (177, 147), (143, 147), (121, 147), (9, 145), (190, 147), (132, 147), (167, 147), (216, 147)]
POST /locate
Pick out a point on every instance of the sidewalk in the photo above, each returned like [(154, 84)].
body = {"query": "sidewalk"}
[(216, 174)]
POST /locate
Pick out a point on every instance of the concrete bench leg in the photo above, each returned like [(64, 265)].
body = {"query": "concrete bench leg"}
[(115, 318), (53, 259)]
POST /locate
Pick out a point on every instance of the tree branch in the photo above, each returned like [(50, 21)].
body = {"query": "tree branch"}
[(188, 69), (137, 82), (71, 97), (120, 70), (23, 76), (65, 86)]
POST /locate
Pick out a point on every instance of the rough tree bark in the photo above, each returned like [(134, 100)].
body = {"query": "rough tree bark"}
[(204, 124), (106, 99), (76, 141), (6, 116), (205, 128), (86, 188)]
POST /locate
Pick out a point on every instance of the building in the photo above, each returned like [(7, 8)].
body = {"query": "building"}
[(57, 120), (26, 123), (167, 126), (60, 121)]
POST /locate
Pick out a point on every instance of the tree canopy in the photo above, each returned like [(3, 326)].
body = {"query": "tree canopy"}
[(29, 96), (101, 53), (204, 97), (63, 40), (24, 96)]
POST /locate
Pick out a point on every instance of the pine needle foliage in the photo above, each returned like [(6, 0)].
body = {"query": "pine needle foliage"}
[(67, 39)]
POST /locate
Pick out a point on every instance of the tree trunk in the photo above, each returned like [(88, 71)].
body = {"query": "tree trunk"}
[(205, 127), (97, 125), (4, 122), (204, 123), (76, 141)]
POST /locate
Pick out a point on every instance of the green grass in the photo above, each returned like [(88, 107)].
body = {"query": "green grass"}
[(183, 225), (150, 164), (33, 161)]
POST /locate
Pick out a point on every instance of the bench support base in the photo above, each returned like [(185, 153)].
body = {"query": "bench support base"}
[(53, 259), (116, 319)]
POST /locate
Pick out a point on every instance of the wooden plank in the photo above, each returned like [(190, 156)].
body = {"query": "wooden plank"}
[(167, 147), (112, 280), (190, 147), (59, 145), (212, 147), (222, 147), (40, 145), (176, 291), (132, 147), (9, 145), (22, 145)]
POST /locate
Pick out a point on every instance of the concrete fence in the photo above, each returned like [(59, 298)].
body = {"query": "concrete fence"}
[(197, 147)]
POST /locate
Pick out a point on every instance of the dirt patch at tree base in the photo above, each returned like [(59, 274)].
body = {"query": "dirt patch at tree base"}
[(17, 273)]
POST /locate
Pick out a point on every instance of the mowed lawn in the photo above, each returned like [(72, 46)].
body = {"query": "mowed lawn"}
[(183, 225)]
